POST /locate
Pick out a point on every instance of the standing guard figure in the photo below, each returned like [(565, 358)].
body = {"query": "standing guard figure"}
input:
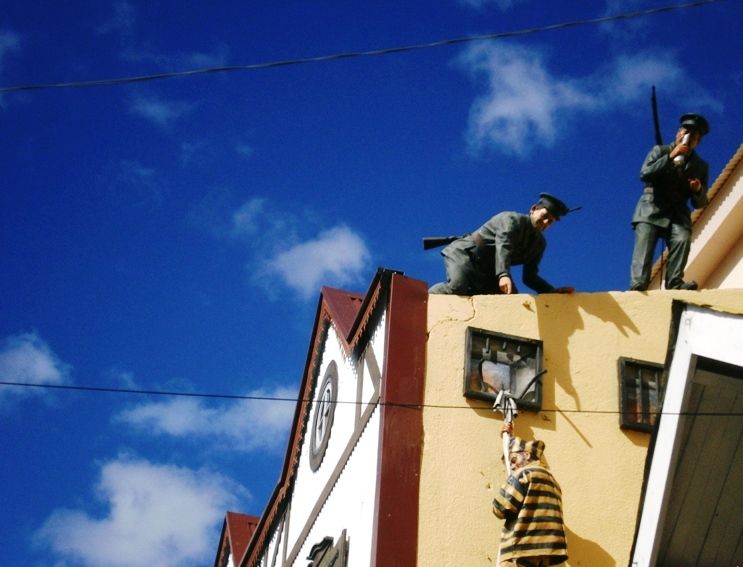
[(480, 262), (673, 174)]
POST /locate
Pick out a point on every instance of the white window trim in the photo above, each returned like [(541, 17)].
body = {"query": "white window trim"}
[(702, 332)]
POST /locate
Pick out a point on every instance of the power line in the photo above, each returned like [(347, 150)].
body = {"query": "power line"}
[(111, 390), (356, 54)]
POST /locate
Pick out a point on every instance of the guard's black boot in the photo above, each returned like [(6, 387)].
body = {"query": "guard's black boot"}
[(690, 285)]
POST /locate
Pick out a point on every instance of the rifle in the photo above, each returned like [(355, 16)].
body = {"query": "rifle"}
[(656, 121), (436, 241)]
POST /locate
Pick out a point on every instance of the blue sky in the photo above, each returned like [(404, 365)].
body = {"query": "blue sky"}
[(173, 235)]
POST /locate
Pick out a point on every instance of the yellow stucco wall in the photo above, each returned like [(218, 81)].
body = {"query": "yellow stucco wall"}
[(599, 466)]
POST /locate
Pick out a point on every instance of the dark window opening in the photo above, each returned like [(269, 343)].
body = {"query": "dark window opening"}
[(640, 392)]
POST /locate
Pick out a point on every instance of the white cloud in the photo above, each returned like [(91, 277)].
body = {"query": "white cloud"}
[(245, 220), (155, 515), (502, 5), (175, 61), (214, 214), (201, 59), (121, 21), (524, 101), (244, 150), (161, 112), (281, 255), (26, 358), (246, 425), (138, 182), (10, 42), (123, 377), (629, 78), (337, 256), (625, 30)]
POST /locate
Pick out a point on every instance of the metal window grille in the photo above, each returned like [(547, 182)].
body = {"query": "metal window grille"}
[(496, 362)]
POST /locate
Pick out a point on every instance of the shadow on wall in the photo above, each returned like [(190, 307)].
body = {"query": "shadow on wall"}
[(567, 314), (586, 553)]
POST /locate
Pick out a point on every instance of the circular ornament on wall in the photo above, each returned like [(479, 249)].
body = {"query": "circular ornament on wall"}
[(322, 419)]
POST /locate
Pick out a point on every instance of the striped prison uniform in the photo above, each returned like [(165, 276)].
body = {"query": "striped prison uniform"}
[(531, 504)]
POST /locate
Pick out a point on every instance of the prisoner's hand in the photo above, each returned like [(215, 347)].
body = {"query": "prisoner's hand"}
[(505, 284), (507, 428)]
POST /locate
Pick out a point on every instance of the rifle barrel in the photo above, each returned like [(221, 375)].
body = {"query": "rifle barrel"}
[(437, 241)]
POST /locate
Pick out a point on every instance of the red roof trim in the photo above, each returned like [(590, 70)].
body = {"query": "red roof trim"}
[(396, 515), (240, 528), (350, 314), (237, 529)]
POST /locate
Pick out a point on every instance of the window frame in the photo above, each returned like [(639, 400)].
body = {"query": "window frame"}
[(475, 337), (646, 416)]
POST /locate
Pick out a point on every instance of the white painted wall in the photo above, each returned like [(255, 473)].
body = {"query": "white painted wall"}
[(351, 501)]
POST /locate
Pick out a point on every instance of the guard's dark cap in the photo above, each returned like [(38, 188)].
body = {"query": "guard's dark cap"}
[(553, 205), (692, 121)]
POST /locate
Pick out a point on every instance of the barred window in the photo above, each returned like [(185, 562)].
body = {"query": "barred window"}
[(640, 392), (496, 362)]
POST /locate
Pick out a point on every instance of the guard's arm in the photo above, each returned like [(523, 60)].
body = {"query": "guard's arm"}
[(655, 163), (504, 230), (532, 278), (699, 197)]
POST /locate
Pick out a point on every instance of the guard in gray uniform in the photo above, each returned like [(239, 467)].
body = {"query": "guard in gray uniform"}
[(480, 262), (673, 174)]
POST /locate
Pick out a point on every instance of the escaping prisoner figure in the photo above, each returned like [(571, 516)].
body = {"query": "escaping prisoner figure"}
[(480, 262), (530, 502), (673, 175)]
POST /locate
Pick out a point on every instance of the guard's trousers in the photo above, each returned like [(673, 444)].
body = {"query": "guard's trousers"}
[(678, 238)]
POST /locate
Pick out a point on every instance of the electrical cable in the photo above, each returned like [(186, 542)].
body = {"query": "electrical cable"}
[(112, 390), (356, 54)]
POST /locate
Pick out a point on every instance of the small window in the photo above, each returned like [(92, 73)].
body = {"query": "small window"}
[(498, 362), (640, 391)]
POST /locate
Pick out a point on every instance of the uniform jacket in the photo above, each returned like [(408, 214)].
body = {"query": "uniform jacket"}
[(531, 504), (667, 188), (506, 240)]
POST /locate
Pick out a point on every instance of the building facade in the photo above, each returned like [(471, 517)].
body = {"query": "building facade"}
[(598, 425), (394, 455), (345, 496)]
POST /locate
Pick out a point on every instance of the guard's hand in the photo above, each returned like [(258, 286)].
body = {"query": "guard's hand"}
[(680, 149), (507, 428), (695, 185), (505, 284), (565, 289)]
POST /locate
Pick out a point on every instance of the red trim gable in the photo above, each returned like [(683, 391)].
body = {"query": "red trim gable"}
[(237, 529), (343, 307), (240, 528), (396, 521)]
